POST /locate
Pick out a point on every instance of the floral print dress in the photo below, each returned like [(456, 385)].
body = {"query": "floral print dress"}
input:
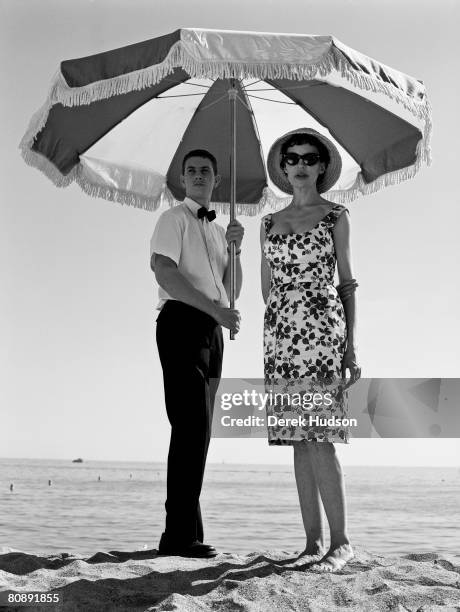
[(304, 335)]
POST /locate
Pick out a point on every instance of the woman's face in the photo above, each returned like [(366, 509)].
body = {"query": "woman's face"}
[(300, 175)]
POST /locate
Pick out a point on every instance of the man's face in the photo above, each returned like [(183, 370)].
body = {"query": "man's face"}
[(198, 178)]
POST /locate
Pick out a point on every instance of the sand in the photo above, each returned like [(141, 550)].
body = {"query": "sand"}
[(259, 582)]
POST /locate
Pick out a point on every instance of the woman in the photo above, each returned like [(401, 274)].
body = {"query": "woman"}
[(309, 331)]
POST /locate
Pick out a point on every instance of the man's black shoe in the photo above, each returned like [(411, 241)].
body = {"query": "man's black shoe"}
[(195, 549)]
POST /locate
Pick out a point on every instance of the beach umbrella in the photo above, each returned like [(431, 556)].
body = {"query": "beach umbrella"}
[(118, 123)]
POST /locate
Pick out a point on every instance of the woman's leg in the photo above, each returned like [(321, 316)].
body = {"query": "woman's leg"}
[(310, 503), (329, 477)]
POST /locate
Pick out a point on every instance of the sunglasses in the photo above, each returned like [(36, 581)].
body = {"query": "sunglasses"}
[(292, 159)]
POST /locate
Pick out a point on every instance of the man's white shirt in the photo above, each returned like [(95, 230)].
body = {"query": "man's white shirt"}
[(198, 248)]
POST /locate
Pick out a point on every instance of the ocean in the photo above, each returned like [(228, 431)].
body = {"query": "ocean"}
[(100, 506)]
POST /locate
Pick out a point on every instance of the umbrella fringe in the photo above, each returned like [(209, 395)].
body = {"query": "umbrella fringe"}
[(60, 92), (421, 109), (418, 108), (39, 118), (178, 57), (39, 161), (132, 81), (269, 199), (359, 187), (124, 197)]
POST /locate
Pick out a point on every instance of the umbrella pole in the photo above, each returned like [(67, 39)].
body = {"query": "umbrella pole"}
[(232, 93)]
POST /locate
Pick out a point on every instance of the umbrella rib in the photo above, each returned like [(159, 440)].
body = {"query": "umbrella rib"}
[(270, 100), (179, 96), (186, 83), (244, 103), (251, 84), (291, 87), (212, 103), (197, 85), (248, 105)]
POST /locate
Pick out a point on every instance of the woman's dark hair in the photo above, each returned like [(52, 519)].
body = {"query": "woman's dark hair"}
[(200, 153), (300, 139)]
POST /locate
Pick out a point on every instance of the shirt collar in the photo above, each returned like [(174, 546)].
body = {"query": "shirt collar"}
[(192, 205)]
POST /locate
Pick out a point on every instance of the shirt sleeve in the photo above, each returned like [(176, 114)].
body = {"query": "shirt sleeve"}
[(223, 248), (167, 237), (221, 240)]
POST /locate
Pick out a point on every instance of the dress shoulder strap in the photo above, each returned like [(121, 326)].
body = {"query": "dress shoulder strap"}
[(335, 213), (267, 221)]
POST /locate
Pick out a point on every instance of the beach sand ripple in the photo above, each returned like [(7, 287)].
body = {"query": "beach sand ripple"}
[(259, 582)]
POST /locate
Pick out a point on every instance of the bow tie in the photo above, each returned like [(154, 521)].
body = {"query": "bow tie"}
[(204, 212)]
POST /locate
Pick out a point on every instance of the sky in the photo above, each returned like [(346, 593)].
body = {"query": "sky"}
[(80, 374)]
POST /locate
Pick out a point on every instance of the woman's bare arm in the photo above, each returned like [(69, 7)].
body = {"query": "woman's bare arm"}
[(342, 232)]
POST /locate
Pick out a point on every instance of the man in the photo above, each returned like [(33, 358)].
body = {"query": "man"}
[(190, 259)]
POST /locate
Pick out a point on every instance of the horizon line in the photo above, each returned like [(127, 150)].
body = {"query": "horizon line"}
[(287, 464)]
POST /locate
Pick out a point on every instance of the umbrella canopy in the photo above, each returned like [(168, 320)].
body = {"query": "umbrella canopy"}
[(118, 123)]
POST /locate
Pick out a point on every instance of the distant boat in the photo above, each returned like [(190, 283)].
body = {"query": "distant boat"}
[(79, 460)]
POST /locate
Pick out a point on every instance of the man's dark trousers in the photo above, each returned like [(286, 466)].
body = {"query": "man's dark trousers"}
[(190, 346)]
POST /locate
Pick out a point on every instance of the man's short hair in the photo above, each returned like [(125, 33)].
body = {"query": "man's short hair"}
[(200, 153)]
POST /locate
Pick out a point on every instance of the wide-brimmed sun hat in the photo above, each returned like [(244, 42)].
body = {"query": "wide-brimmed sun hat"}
[(325, 181)]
